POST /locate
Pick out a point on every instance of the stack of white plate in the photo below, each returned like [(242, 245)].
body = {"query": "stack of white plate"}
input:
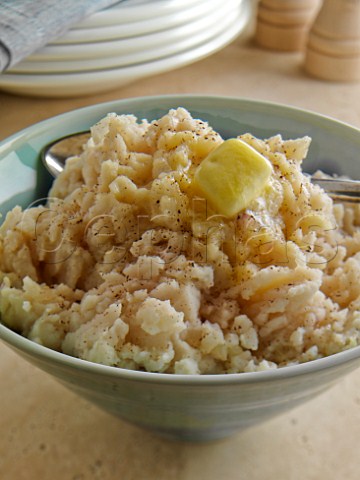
[(128, 41)]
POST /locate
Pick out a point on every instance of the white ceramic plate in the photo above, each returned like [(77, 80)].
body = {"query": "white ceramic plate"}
[(86, 83), (152, 24), (218, 24), (124, 46), (135, 11)]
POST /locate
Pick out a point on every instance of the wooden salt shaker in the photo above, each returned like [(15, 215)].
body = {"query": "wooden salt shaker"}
[(284, 24), (333, 46)]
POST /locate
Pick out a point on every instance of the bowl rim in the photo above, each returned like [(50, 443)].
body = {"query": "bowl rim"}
[(138, 101), (155, 99), (31, 348)]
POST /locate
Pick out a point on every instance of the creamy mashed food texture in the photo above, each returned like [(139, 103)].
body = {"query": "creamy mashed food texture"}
[(126, 266)]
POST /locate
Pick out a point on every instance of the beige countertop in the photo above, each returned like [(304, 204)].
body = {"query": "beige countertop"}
[(46, 432)]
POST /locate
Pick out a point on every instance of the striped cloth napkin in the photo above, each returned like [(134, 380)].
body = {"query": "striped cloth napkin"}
[(26, 25)]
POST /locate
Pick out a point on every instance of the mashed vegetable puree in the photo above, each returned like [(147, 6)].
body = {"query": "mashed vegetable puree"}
[(128, 264)]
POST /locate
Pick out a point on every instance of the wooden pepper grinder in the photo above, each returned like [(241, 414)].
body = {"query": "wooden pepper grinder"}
[(333, 46), (284, 24)]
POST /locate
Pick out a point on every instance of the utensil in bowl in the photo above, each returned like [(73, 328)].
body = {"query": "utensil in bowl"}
[(54, 156)]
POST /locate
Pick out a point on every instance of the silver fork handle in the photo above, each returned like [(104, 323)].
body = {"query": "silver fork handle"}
[(340, 189)]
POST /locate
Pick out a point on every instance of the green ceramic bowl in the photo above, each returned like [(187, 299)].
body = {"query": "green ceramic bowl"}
[(184, 407)]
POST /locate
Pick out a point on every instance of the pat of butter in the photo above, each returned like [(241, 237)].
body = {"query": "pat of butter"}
[(231, 176)]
